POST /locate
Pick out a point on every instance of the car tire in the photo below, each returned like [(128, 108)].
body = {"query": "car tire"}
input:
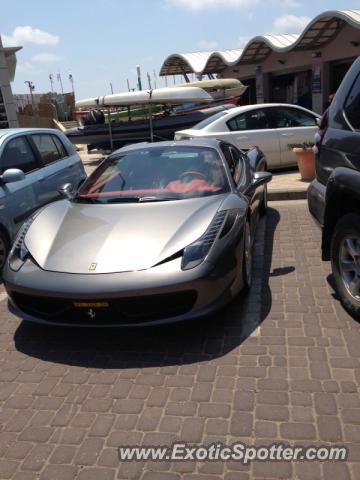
[(247, 257), (345, 262), (263, 203), (4, 249)]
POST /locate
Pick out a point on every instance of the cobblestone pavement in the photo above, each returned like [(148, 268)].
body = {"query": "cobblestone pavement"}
[(279, 364)]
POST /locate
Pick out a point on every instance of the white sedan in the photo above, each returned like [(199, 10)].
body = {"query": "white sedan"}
[(270, 126)]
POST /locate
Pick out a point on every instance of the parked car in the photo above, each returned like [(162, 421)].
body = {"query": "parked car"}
[(334, 196), (158, 233), (271, 126), (34, 163)]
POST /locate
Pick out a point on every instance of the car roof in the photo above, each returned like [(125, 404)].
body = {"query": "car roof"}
[(194, 142), (246, 108), (5, 132)]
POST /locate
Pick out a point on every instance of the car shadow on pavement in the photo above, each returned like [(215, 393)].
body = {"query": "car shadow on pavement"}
[(176, 344)]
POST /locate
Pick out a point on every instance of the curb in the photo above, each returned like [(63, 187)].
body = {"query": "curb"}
[(287, 195)]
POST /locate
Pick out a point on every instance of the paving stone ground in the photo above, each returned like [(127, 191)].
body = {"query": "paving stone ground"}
[(280, 364)]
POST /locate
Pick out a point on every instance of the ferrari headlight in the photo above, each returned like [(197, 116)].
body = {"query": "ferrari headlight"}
[(19, 253), (195, 253)]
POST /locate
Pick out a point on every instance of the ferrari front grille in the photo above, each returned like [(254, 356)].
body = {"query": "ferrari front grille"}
[(114, 310)]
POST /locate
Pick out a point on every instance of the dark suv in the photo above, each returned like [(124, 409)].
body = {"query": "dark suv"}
[(334, 196)]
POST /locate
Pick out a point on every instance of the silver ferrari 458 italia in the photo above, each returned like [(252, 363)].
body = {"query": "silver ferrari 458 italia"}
[(158, 233)]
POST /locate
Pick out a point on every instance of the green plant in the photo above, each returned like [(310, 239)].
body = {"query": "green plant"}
[(303, 145)]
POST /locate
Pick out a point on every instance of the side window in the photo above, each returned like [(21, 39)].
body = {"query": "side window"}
[(229, 158), (291, 117), (237, 123), (352, 105), (253, 120), (237, 164), (47, 148), (60, 146), (18, 154), (234, 160)]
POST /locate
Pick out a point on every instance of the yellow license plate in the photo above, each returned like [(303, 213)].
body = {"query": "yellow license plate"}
[(91, 304)]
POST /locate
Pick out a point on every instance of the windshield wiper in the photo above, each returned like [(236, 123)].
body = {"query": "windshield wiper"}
[(80, 199), (132, 199), (124, 199)]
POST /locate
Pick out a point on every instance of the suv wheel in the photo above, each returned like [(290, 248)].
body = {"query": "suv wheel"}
[(345, 261), (4, 249)]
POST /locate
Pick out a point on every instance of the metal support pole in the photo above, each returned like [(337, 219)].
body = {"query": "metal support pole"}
[(31, 89), (51, 78), (71, 78), (150, 118), (149, 80), (110, 132), (60, 81), (139, 77)]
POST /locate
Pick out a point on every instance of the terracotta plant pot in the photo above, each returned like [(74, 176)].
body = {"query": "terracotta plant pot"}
[(306, 162)]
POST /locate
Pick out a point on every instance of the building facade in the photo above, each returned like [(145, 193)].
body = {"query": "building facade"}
[(8, 116), (302, 68)]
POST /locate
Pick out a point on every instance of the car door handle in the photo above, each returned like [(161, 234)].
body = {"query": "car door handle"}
[(242, 138), (287, 134)]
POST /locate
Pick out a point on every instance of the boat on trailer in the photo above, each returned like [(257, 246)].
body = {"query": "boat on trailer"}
[(95, 133)]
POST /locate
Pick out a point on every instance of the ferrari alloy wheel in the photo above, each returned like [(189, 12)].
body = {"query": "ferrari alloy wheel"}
[(4, 249), (247, 263), (345, 259)]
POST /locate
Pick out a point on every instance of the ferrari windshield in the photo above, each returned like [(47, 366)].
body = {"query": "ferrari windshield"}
[(156, 174)]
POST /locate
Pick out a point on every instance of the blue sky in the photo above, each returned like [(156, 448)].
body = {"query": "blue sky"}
[(99, 42)]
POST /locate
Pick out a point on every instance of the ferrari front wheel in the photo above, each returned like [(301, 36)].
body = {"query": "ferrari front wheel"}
[(4, 250), (263, 203), (247, 259)]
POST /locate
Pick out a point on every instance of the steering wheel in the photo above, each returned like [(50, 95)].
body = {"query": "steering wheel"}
[(192, 173)]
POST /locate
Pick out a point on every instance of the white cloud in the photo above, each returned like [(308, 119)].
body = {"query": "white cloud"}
[(25, 67), (290, 24), (208, 45), (211, 4), (46, 58), (24, 35), (290, 3)]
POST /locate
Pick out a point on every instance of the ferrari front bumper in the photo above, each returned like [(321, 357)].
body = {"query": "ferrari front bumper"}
[(163, 294)]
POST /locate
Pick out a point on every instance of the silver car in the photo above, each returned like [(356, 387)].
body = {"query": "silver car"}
[(270, 126), (158, 233), (34, 163)]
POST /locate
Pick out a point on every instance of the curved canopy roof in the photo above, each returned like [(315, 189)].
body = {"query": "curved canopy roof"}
[(320, 31)]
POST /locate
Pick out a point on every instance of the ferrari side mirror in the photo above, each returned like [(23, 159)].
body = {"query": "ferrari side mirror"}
[(67, 191)]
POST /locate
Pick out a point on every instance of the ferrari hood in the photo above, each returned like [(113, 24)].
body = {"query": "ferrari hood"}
[(90, 239)]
